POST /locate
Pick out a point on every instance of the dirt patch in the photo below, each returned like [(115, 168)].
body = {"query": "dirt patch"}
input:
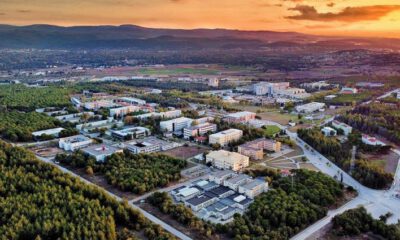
[(186, 152), (387, 162), (47, 152)]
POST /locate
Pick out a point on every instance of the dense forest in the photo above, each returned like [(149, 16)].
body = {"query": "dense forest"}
[(37, 201), (376, 118), (357, 221), (22, 98), (137, 173), (288, 208), (18, 126), (330, 147)]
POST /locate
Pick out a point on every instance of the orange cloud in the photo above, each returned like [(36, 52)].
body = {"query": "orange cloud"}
[(348, 14)]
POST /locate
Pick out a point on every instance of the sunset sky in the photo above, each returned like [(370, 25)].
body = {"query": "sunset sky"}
[(378, 18)]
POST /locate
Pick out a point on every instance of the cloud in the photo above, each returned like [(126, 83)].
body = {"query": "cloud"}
[(23, 11), (331, 4), (2, 14), (348, 14)]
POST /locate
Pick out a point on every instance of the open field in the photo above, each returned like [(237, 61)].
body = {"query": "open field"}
[(386, 162), (272, 130), (185, 152), (176, 71)]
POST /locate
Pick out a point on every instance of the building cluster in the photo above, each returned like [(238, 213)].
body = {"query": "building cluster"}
[(225, 137), (279, 89), (221, 195), (343, 126), (255, 149), (310, 107)]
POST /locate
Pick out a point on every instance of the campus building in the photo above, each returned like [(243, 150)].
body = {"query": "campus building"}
[(255, 149), (100, 151), (340, 125), (227, 160), (310, 107), (240, 117), (199, 130), (225, 137), (176, 124), (74, 143)]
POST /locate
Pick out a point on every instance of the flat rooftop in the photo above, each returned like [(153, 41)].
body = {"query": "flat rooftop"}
[(100, 149)]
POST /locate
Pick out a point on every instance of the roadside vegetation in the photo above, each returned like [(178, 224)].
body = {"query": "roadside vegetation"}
[(368, 174), (357, 221)]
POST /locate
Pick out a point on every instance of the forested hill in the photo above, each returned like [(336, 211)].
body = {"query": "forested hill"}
[(136, 37)]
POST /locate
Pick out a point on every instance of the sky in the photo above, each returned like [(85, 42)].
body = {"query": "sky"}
[(377, 18)]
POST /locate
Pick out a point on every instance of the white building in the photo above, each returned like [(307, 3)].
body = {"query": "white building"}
[(131, 132), (340, 125), (95, 105), (328, 131), (133, 101), (227, 160), (149, 145), (366, 139), (100, 151), (74, 143), (122, 111), (253, 188), (176, 124), (310, 107), (199, 130), (49, 132), (225, 137)]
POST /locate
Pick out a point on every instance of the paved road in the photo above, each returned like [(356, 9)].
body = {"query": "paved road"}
[(152, 218), (377, 202)]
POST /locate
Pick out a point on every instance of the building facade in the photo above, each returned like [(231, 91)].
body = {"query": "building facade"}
[(227, 160), (225, 137)]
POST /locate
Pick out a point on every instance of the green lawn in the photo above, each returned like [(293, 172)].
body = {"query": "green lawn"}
[(349, 98), (271, 130)]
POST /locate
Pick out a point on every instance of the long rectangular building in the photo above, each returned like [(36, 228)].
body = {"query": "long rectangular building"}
[(199, 130), (176, 124), (240, 117), (225, 137)]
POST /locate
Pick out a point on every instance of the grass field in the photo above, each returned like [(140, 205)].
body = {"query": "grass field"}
[(175, 71), (272, 130), (350, 98)]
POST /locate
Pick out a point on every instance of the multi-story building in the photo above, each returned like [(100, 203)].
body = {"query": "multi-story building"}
[(176, 124), (253, 188), (240, 117), (227, 160), (340, 125), (236, 181), (199, 130), (255, 149), (220, 176), (122, 111), (310, 107), (74, 143), (225, 137), (95, 105), (266, 88)]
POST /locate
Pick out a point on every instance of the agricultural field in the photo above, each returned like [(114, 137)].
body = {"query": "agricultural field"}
[(176, 71)]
